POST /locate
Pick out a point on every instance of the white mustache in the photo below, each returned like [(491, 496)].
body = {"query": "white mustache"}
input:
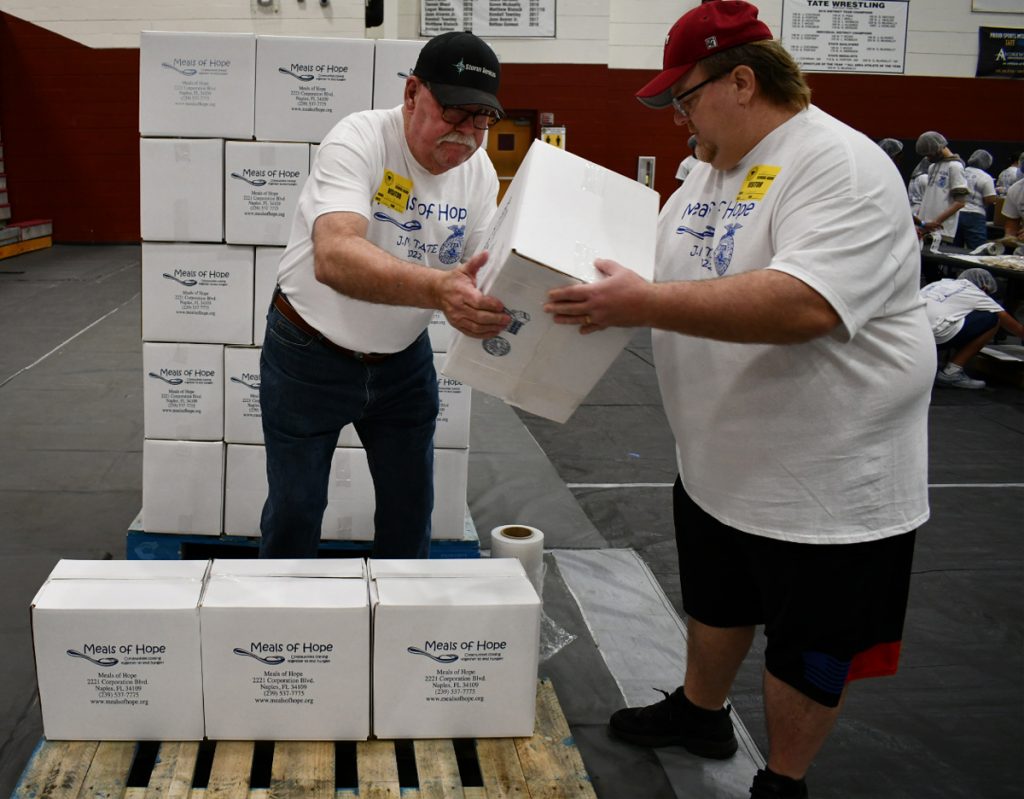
[(456, 137)]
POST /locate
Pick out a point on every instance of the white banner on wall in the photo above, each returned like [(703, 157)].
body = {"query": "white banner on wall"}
[(489, 18), (846, 35), (998, 6)]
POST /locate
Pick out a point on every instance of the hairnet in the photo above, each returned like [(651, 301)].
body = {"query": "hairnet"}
[(892, 147), (920, 169), (930, 143), (981, 278), (982, 159)]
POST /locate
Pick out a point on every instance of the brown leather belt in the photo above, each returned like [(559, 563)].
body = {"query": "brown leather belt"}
[(289, 313)]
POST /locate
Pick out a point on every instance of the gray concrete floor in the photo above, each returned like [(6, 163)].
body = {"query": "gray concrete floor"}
[(948, 725)]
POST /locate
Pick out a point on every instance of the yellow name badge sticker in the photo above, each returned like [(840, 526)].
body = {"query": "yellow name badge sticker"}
[(394, 191), (759, 179)]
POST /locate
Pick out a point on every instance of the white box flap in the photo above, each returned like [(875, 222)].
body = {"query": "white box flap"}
[(455, 567)]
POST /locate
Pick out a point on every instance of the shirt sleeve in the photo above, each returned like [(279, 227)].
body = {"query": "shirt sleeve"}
[(981, 301), (985, 186), (849, 237), (958, 180), (1013, 201), (343, 170)]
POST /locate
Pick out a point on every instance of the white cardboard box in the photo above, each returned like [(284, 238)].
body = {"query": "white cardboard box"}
[(183, 487), (393, 62), (245, 488), (453, 416), (305, 85), (198, 293), (350, 511), (183, 394), (350, 497), (455, 649), (242, 417), (117, 650), (267, 261), (182, 193), (560, 213), (262, 182), (286, 650), (197, 84)]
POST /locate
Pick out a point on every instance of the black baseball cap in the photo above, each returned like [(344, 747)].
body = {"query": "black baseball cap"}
[(461, 70)]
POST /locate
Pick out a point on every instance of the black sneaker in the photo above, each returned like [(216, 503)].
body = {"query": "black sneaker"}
[(769, 785), (676, 720)]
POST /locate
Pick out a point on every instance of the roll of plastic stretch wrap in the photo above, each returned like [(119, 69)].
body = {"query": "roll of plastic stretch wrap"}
[(989, 248), (526, 544)]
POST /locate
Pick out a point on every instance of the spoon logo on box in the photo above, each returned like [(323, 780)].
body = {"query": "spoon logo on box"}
[(449, 658), (104, 661), (269, 660), (305, 77)]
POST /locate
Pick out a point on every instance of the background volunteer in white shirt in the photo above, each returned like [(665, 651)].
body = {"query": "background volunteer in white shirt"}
[(946, 191), (396, 200), (965, 318), (1013, 210), (795, 363), (971, 228)]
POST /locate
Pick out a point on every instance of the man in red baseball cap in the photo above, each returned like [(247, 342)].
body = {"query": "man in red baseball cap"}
[(795, 363)]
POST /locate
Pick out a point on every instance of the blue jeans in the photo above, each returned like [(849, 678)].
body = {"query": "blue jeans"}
[(308, 393), (971, 231)]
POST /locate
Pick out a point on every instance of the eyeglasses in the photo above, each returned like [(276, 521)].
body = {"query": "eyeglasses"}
[(683, 106), (455, 115), (483, 118)]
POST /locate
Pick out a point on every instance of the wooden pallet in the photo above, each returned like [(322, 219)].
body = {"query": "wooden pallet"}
[(142, 545), (547, 765)]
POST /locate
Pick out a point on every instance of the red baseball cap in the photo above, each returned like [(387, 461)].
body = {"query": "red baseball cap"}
[(702, 31)]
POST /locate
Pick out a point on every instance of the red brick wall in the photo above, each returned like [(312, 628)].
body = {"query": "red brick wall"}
[(604, 122), (69, 117), (70, 121)]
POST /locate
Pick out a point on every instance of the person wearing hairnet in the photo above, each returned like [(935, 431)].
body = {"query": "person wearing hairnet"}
[(1013, 172), (689, 162), (916, 185), (1013, 210), (970, 228), (892, 148), (964, 318), (946, 191)]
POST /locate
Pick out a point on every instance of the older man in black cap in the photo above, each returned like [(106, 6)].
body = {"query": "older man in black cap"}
[(795, 362), (395, 202)]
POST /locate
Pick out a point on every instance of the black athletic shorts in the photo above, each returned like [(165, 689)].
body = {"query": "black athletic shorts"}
[(832, 613)]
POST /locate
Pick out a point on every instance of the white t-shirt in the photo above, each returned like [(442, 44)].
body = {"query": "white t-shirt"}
[(685, 167), (821, 442), (915, 192), (949, 301), (1013, 205), (439, 222), (981, 185), (1007, 178), (946, 185)]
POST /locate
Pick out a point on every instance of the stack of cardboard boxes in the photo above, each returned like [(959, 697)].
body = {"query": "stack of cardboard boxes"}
[(331, 649), (230, 124)]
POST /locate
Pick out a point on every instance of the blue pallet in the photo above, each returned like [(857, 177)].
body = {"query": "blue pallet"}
[(142, 545)]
